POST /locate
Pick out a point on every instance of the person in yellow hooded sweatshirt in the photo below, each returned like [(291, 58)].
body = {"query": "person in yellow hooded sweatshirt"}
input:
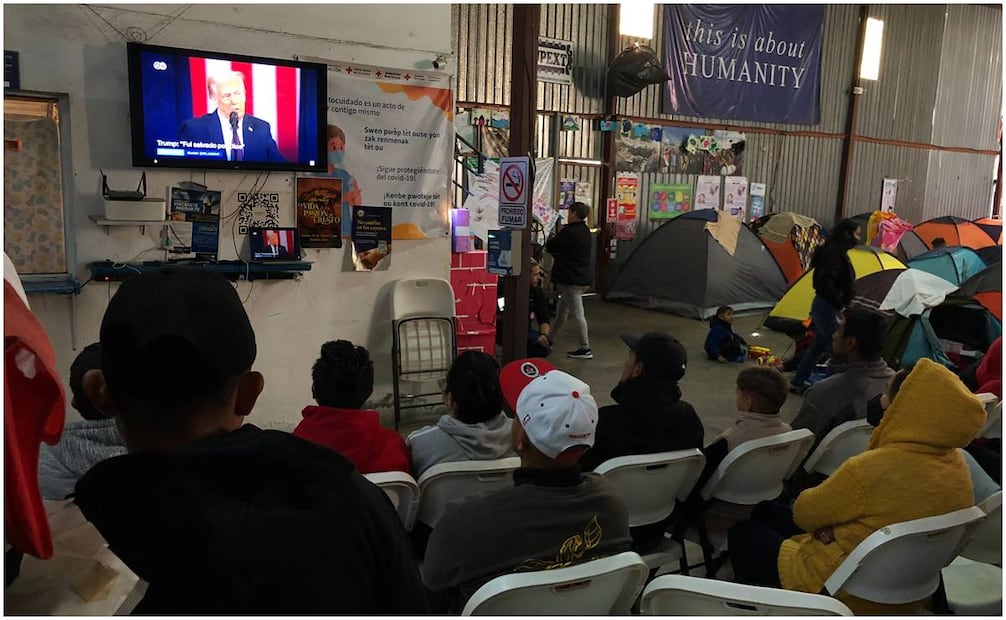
[(910, 470)]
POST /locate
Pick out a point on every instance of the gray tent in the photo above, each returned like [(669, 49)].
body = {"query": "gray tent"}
[(681, 269)]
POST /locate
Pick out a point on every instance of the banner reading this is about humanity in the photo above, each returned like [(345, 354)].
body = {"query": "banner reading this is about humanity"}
[(757, 62), (390, 139)]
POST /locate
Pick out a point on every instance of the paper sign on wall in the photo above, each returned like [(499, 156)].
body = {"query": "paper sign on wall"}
[(371, 234), (707, 192), (669, 200), (735, 196), (757, 200), (627, 194), (889, 195)]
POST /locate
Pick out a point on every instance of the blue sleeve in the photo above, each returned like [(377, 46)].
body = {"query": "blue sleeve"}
[(714, 341)]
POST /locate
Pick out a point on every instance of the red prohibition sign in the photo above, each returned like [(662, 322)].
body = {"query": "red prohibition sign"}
[(513, 183)]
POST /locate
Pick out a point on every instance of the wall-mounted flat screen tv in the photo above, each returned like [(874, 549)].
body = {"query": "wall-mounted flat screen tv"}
[(197, 109)]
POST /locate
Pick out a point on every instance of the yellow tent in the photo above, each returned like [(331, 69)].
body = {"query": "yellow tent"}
[(795, 304)]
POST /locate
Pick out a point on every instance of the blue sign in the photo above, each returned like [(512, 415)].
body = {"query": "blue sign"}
[(756, 62), (11, 70), (498, 252)]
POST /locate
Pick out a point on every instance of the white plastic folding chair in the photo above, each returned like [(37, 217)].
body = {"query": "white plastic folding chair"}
[(901, 563), (844, 441), (993, 428), (753, 472), (680, 595), (651, 485), (402, 490), (602, 587), (973, 581), (446, 482), (424, 339)]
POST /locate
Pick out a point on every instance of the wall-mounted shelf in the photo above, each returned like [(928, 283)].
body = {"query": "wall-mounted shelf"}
[(100, 221), (106, 271)]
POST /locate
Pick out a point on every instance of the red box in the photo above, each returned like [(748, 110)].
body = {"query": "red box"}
[(485, 342), (476, 259)]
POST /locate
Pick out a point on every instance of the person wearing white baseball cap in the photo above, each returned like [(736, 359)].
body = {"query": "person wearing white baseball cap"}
[(554, 515)]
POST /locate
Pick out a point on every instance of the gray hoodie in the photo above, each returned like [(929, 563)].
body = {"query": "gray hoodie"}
[(82, 445), (452, 440)]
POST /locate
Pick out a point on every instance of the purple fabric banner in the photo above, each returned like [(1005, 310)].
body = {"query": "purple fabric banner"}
[(753, 62)]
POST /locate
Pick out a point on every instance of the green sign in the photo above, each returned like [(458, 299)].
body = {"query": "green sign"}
[(669, 200)]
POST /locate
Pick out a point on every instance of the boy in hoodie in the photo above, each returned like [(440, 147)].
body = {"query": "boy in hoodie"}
[(217, 516), (649, 415), (474, 427), (722, 344), (83, 444), (342, 380), (911, 469)]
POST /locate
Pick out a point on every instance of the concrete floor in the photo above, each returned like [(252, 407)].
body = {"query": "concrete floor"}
[(707, 385)]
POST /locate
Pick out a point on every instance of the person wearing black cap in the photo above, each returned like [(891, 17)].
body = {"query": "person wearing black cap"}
[(218, 516), (649, 415)]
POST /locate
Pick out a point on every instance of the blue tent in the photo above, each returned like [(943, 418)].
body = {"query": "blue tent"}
[(952, 333), (953, 264)]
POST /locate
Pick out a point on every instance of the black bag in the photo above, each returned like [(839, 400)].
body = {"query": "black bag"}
[(634, 69)]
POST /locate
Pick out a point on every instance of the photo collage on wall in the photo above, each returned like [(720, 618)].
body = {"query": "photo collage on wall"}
[(678, 150)]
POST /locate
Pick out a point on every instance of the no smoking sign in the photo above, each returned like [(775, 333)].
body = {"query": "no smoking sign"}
[(514, 192)]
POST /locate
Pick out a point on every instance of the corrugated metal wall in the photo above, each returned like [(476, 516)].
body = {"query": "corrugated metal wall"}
[(933, 55)]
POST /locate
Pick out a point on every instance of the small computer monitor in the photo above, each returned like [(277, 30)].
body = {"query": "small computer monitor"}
[(274, 244)]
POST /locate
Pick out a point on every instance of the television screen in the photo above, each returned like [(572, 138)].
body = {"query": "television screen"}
[(194, 109), (274, 244)]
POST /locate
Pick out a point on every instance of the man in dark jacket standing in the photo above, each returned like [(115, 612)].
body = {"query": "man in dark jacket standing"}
[(571, 274), (650, 415), (834, 288)]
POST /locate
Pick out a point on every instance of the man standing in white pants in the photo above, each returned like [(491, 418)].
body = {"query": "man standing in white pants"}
[(571, 274)]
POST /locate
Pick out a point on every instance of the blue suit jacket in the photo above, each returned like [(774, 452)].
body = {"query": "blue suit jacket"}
[(256, 136)]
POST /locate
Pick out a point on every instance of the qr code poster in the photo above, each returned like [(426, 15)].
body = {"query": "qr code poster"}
[(257, 210)]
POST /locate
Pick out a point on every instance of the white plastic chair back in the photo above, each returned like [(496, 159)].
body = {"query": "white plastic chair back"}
[(651, 484), (986, 544), (993, 428), (844, 441), (447, 482), (602, 587), (754, 471), (422, 310), (901, 563), (680, 595), (402, 490)]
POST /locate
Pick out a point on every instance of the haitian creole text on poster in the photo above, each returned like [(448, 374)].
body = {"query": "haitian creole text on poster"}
[(483, 197), (390, 138), (371, 234), (756, 62), (735, 196), (707, 193), (319, 212), (627, 194), (757, 200), (669, 200)]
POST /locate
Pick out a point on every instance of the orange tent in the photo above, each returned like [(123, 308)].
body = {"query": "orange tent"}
[(786, 255), (993, 227), (986, 287), (955, 231)]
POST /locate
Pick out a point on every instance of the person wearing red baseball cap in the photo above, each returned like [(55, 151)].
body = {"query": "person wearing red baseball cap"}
[(554, 515)]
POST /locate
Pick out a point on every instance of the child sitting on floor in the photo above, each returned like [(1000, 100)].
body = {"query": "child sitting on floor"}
[(722, 344)]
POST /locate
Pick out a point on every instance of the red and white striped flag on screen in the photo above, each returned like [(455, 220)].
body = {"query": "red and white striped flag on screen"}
[(272, 94)]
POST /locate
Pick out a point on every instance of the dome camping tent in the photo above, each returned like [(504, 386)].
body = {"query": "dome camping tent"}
[(993, 227), (986, 287), (791, 238), (953, 264), (953, 230), (685, 267)]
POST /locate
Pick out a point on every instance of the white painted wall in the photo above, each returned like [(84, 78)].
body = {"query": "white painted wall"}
[(80, 50)]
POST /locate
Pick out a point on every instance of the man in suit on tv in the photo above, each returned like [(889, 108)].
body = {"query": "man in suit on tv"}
[(274, 248), (245, 138)]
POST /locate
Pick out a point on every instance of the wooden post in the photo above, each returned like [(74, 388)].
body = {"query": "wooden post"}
[(855, 92), (523, 95), (609, 155)]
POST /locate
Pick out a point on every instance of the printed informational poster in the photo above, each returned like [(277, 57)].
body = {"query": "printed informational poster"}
[(612, 211), (669, 200), (482, 200), (197, 230), (390, 138), (707, 192), (735, 197), (371, 234), (567, 193), (889, 195), (319, 212), (627, 194), (499, 257), (757, 200), (585, 193)]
